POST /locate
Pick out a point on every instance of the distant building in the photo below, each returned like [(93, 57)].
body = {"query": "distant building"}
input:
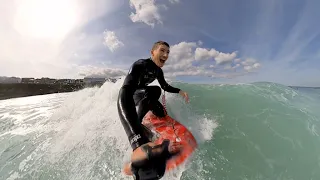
[(10, 80), (65, 81), (45, 81), (79, 81), (27, 80), (94, 81)]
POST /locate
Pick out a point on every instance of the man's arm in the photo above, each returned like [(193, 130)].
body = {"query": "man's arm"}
[(164, 85)]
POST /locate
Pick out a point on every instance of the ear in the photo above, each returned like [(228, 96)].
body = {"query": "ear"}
[(151, 52)]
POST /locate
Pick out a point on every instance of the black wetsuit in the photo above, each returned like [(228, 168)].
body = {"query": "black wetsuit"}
[(135, 91)]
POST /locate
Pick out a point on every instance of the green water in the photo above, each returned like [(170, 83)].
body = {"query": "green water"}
[(245, 131), (263, 133)]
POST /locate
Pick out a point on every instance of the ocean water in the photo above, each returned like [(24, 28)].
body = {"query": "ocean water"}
[(245, 131)]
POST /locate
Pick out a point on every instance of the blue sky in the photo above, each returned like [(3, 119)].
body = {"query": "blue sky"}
[(212, 41)]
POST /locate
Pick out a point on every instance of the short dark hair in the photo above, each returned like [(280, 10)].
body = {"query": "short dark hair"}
[(156, 44)]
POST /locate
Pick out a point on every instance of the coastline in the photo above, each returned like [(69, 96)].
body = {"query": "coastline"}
[(16, 90)]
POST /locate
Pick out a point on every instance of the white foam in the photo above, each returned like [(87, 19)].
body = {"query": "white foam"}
[(201, 126), (86, 138)]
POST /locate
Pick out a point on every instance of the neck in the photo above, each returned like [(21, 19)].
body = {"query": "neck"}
[(153, 61)]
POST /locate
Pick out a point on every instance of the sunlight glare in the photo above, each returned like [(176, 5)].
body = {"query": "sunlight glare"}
[(45, 18)]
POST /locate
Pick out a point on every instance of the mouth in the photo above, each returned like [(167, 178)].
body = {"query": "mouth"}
[(162, 61)]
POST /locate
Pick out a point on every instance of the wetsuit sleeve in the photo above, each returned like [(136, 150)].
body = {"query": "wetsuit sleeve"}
[(164, 85), (126, 108)]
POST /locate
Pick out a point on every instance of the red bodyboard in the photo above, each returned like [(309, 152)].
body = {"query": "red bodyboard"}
[(168, 128)]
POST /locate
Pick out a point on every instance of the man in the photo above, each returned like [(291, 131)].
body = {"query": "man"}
[(147, 161)]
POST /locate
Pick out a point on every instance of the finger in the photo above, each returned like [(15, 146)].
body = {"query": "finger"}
[(176, 145), (175, 149)]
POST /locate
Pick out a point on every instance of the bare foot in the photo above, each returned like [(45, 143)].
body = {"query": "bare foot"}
[(175, 147), (138, 154)]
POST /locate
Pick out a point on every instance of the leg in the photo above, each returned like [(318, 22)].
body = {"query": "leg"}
[(147, 99), (129, 118), (142, 153), (154, 93)]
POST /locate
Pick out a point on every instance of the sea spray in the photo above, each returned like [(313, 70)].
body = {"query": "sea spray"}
[(245, 131)]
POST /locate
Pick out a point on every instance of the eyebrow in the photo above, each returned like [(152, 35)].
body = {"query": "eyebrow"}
[(164, 49)]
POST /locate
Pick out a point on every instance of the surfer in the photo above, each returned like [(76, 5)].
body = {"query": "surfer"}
[(148, 161)]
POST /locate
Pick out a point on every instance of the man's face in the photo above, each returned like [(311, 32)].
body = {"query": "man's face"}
[(160, 55)]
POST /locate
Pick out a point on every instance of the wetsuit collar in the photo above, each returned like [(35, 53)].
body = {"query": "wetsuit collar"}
[(152, 61)]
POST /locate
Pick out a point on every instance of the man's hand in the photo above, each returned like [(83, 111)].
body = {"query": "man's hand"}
[(185, 95), (175, 147)]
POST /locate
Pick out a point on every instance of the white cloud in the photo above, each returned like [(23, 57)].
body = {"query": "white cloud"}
[(111, 41), (223, 58), (250, 64), (93, 71), (146, 12), (248, 61), (204, 54), (188, 58), (220, 57), (237, 60), (236, 66), (181, 55)]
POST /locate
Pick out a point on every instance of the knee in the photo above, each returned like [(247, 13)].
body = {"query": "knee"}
[(157, 109), (156, 91)]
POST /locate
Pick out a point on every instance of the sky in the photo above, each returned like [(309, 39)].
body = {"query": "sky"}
[(211, 41)]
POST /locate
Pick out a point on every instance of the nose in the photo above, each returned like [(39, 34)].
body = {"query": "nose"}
[(165, 55)]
